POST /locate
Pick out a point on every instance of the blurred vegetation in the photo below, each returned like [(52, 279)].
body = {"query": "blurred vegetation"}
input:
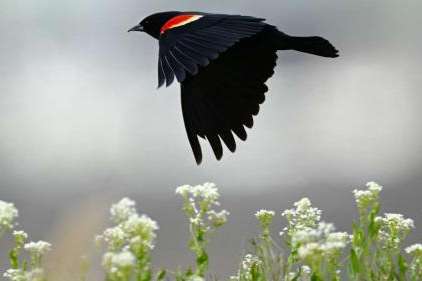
[(307, 248)]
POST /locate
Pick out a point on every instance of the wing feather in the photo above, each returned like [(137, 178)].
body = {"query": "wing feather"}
[(193, 54), (200, 42), (221, 99), (161, 74), (185, 60), (168, 72)]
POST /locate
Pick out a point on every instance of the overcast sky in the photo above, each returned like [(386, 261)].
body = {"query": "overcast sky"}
[(81, 116)]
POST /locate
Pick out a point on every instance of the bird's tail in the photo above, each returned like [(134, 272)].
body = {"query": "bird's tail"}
[(312, 45)]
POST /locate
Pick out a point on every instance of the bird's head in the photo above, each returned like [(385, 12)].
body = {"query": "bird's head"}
[(153, 23)]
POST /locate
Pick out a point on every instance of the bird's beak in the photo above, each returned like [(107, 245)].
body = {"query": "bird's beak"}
[(137, 28)]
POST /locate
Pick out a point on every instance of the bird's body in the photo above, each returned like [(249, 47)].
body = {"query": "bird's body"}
[(222, 63)]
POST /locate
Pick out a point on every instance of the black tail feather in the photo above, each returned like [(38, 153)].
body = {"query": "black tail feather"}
[(312, 45)]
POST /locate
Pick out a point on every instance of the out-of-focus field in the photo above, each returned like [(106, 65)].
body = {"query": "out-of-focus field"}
[(307, 247)]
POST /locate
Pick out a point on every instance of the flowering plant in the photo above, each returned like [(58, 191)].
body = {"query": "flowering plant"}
[(307, 249)]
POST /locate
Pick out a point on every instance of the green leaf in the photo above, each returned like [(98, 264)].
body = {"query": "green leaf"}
[(315, 277), (355, 265), (14, 259), (203, 258), (161, 275), (254, 272), (402, 267)]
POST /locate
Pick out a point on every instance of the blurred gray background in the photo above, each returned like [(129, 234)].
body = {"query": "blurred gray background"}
[(81, 118)]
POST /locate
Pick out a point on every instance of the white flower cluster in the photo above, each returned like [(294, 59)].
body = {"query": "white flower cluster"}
[(414, 250), (39, 248), (207, 191), (262, 214), (36, 252), (132, 235), (250, 260), (393, 229), (304, 216), (20, 237), (113, 262), (396, 221), (321, 241), (199, 200), (365, 198), (265, 217), (248, 263), (141, 229), (218, 219), (36, 274), (124, 209), (14, 275), (8, 213), (131, 229)]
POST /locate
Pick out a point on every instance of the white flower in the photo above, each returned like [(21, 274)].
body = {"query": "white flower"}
[(338, 237), (365, 198), (218, 219), (15, 275), (131, 229), (361, 195), (114, 262), (37, 274), (184, 190), (374, 187), (115, 237), (136, 223), (250, 260), (198, 202), (234, 278), (123, 259), (396, 220), (304, 216), (142, 227), (303, 204), (309, 250), (38, 248), (319, 241), (122, 210), (306, 269), (414, 250), (207, 191), (393, 229), (264, 215), (20, 235), (8, 213), (196, 221)]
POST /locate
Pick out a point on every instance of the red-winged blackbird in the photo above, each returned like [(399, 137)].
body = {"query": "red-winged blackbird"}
[(222, 63)]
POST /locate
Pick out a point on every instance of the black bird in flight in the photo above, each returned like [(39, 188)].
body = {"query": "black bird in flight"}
[(222, 63)]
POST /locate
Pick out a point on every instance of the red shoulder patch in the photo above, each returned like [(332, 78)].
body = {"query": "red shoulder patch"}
[(179, 21)]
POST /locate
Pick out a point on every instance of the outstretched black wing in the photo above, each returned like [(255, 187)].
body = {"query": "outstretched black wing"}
[(186, 48), (222, 98)]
